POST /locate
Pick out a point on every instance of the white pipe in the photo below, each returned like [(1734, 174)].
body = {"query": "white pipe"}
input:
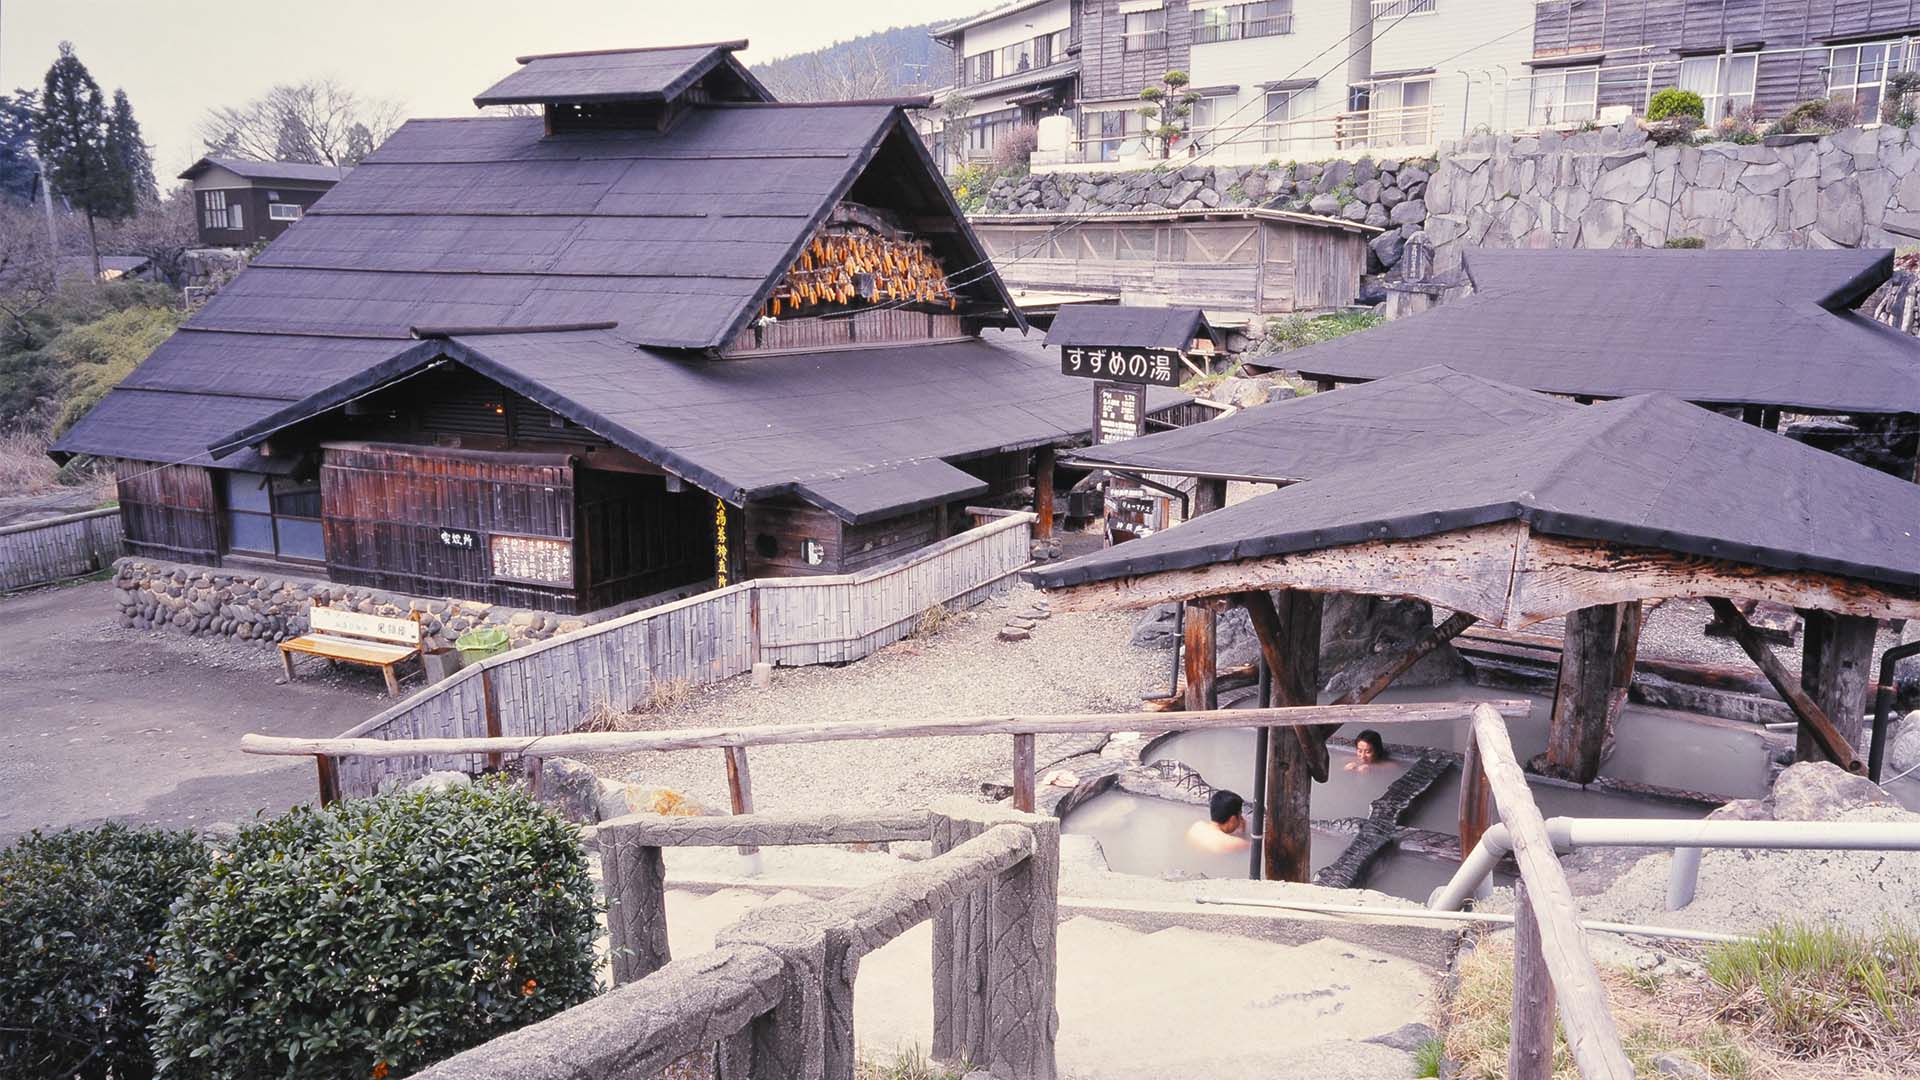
[(1569, 833), (1478, 917), (1684, 877)]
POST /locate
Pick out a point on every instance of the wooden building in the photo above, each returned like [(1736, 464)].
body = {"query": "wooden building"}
[(667, 331), (239, 203), (1237, 264)]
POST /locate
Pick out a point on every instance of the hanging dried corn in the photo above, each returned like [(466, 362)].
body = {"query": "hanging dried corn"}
[(844, 267)]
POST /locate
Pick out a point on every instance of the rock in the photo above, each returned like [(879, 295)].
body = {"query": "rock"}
[(1377, 216), (1388, 247), (1208, 197), (1743, 810), (1822, 791), (616, 800), (1368, 191), (1410, 212), (444, 780), (1354, 211), (1680, 1068), (1412, 174), (1183, 191), (1903, 745), (1408, 1037), (1014, 633), (1325, 204), (1019, 623), (571, 789)]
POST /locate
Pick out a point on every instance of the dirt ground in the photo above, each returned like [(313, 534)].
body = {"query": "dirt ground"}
[(97, 721)]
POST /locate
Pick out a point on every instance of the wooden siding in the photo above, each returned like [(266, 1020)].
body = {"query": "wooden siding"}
[(169, 511), (36, 552), (774, 531), (1107, 71), (636, 538), (551, 687), (838, 332)]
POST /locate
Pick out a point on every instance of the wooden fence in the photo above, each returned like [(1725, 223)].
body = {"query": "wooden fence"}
[(37, 552), (555, 685)]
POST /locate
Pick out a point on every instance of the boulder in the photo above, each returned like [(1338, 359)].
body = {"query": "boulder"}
[(1822, 791), (1354, 211), (1743, 810), (1377, 216), (1903, 745), (1408, 1037), (1325, 204), (1411, 212), (1368, 191), (1387, 247), (571, 790)]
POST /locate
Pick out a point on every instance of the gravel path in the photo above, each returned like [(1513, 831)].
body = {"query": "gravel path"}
[(1073, 663)]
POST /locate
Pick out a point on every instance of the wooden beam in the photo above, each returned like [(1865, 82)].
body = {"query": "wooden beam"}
[(1812, 717), (1209, 494), (1476, 798), (1626, 655), (1835, 670), (1288, 629), (740, 787), (1043, 492), (1023, 770), (1582, 694), (490, 708), (329, 772), (1530, 1051), (593, 742), (1400, 663), (1198, 650), (1592, 1037)]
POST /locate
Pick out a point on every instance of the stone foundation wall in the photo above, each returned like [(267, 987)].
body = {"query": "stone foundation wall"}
[(251, 605)]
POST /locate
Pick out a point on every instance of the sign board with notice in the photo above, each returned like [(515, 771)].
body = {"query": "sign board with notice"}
[(1135, 512), (532, 560), (1119, 412), (1143, 367)]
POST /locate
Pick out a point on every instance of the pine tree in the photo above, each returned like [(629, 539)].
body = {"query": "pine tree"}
[(359, 144), (130, 156), (72, 137), (296, 142), (19, 175)]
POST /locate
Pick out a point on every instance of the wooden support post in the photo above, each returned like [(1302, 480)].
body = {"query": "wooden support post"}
[(1197, 645), (1043, 492), (740, 787), (534, 768), (1626, 654), (329, 779), (490, 705), (635, 878), (1023, 773), (1288, 627), (1530, 1053), (1835, 670), (1402, 662), (1476, 797), (1581, 695), (1209, 495), (1813, 718)]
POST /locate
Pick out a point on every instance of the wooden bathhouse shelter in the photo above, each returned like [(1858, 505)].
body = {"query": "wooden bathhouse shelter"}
[(1579, 513), (664, 331)]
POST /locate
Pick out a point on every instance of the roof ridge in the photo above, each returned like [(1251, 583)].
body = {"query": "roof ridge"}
[(731, 46)]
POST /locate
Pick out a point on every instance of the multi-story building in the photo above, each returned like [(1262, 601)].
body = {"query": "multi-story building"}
[(1296, 79)]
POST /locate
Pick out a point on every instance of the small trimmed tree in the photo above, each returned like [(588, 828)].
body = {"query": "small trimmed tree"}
[(1168, 109)]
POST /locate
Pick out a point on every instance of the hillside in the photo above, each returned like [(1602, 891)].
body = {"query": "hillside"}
[(896, 61)]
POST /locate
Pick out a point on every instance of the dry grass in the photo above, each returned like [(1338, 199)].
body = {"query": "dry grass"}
[(24, 464), (908, 1064), (932, 621), (665, 696)]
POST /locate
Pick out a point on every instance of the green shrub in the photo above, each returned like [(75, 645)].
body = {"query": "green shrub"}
[(1675, 102), (374, 937), (81, 913), (1690, 243), (1819, 116)]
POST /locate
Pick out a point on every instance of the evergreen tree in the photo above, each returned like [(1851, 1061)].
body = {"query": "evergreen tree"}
[(130, 156), (296, 142), (359, 144), (72, 137), (19, 174)]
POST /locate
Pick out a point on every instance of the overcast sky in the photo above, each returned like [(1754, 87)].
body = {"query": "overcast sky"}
[(176, 58)]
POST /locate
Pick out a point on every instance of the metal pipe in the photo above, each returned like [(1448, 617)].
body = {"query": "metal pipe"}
[(1263, 678), (1475, 917), (1683, 878), (1570, 833), (1883, 706)]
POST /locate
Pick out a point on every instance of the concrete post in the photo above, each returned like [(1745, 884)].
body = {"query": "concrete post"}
[(635, 878), (790, 1039)]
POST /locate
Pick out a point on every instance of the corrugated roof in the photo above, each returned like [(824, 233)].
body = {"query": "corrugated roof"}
[(637, 75), (1649, 471), (1301, 438), (1123, 324), (862, 432), (1719, 327), (268, 170)]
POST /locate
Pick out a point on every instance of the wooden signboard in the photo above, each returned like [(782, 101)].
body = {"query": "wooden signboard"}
[(1134, 512), (1119, 412), (1141, 367), (328, 620), (532, 560)]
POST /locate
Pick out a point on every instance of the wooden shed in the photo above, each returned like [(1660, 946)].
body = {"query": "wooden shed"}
[(1250, 262)]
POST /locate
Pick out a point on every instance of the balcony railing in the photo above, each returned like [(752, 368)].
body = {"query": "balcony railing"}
[(1239, 29), (1342, 131), (1394, 9)]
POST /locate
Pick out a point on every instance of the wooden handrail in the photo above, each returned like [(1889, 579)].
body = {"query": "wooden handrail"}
[(1582, 999), (64, 519), (790, 734)]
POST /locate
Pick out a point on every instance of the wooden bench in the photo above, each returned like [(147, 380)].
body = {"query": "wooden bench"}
[(375, 640)]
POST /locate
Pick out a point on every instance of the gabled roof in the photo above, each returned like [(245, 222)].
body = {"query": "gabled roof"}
[(865, 433), (1651, 472), (1137, 327), (1716, 327), (1302, 438), (267, 170), (636, 75), (947, 30)]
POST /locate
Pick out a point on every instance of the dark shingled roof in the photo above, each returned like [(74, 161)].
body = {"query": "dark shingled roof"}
[(864, 433), (1652, 472), (267, 170), (674, 236), (1142, 327), (1301, 438), (638, 75), (1716, 327)]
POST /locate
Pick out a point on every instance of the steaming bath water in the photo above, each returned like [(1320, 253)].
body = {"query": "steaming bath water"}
[(1144, 835)]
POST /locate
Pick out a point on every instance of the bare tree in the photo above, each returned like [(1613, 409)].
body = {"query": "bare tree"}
[(161, 233), (27, 263), (856, 71), (337, 125)]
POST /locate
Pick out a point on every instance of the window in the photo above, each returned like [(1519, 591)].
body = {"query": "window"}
[(979, 67), (1237, 21), (1402, 114), (235, 219), (1399, 9), (1016, 58), (1145, 30), (275, 516), (213, 209), (1111, 134), (1858, 73), (281, 211), (1724, 83), (1208, 123), (1563, 97), (1277, 132), (985, 131)]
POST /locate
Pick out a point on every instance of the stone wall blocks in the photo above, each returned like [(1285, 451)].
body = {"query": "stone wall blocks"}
[(1803, 203), (1876, 191), (1841, 217), (1765, 179)]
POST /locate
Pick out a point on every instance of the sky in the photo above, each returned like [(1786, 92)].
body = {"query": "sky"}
[(177, 58)]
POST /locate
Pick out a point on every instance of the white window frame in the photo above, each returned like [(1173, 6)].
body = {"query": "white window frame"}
[(1202, 135), (1549, 103), (1848, 67), (236, 217), (1238, 22), (282, 211), (213, 209), (1151, 35), (1276, 125), (1724, 81)]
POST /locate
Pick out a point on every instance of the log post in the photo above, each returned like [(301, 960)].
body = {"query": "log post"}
[(329, 770), (1023, 770), (1287, 625), (635, 878), (1814, 722), (1582, 693), (1043, 492), (1633, 618), (740, 788), (1835, 670), (490, 705), (1530, 1053), (1476, 797), (1197, 628), (1209, 494)]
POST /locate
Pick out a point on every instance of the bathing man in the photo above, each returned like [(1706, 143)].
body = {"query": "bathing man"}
[(1225, 831)]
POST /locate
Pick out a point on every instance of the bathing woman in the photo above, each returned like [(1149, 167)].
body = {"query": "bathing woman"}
[(1224, 831), (1368, 749)]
